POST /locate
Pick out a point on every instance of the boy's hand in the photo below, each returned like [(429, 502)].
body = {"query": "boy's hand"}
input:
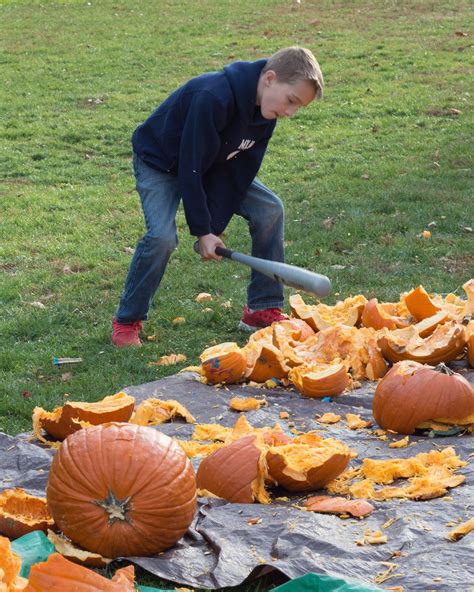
[(207, 245)]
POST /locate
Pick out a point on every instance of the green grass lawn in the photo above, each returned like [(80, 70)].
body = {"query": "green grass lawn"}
[(384, 156)]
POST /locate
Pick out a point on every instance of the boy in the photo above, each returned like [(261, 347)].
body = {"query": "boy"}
[(205, 144)]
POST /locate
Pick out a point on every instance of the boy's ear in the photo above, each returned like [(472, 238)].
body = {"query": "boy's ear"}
[(269, 77)]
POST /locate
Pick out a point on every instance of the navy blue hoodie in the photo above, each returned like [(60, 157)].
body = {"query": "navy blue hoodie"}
[(210, 133)]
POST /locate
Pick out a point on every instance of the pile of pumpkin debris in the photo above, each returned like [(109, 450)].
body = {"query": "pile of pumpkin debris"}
[(278, 444)]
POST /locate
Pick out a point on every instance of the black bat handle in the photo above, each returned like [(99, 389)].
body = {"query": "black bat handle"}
[(227, 253)]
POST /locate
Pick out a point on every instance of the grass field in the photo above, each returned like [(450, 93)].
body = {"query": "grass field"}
[(385, 155)]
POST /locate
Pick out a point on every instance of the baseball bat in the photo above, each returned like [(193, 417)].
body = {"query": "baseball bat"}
[(289, 275)]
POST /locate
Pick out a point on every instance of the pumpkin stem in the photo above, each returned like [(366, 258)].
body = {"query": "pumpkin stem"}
[(441, 367), (115, 508)]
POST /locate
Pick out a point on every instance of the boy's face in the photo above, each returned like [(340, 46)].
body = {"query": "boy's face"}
[(280, 99)]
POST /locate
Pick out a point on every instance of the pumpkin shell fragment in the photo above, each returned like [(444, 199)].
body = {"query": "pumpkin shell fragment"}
[(21, 513), (223, 363)]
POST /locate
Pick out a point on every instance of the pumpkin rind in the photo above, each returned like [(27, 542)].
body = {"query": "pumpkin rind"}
[(21, 513), (223, 363), (235, 472), (65, 420), (411, 394), (58, 574), (121, 489), (376, 315), (420, 304), (320, 380)]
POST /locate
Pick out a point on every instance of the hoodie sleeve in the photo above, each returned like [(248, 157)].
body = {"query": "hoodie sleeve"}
[(199, 146)]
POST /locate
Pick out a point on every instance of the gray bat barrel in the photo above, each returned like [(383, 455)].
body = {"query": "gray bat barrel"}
[(289, 275)]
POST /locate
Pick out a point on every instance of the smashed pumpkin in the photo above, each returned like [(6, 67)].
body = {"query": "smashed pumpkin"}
[(68, 550), (321, 316), (21, 513), (307, 464), (65, 420), (264, 361), (236, 472), (420, 304), (223, 363), (10, 565), (320, 380), (379, 315), (155, 411), (58, 574), (412, 394), (120, 489), (445, 344)]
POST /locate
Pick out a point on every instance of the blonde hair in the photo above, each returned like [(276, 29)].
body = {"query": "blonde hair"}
[(294, 64)]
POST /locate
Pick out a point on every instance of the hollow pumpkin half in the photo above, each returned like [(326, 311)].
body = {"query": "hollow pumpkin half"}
[(21, 513), (320, 380), (302, 466), (379, 315), (445, 344), (412, 395), (65, 420), (223, 363), (264, 361), (420, 304)]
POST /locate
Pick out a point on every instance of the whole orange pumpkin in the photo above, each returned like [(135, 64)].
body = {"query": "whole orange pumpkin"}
[(411, 394), (120, 489)]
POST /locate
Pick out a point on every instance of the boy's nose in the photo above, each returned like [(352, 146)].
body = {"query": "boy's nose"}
[(291, 110)]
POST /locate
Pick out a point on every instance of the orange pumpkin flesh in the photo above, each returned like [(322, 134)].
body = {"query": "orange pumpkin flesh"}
[(320, 380), (223, 363), (57, 574), (420, 304), (301, 466), (445, 344), (322, 316), (377, 316), (470, 343), (235, 472), (21, 513), (67, 419), (411, 394), (121, 489), (10, 565), (264, 361)]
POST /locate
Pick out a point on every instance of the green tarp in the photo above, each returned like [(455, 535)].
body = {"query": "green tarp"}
[(36, 547)]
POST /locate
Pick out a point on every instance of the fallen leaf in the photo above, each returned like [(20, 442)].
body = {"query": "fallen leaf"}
[(460, 34), (178, 321), (425, 234), (66, 376), (37, 304), (203, 296), (328, 222), (27, 394)]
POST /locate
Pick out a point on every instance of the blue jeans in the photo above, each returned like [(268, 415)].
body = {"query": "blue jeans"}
[(160, 199)]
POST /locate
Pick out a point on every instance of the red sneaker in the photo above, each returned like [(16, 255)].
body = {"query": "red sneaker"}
[(251, 321), (125, 335)]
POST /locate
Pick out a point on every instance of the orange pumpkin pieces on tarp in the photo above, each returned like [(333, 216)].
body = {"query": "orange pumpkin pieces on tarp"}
[(445, 344), (21, 513), (223, 363), (120, 490), (321, 316), (411, 395), (320, 380), (10, 565), (379, 315), (307, 464), (236, 472), (65, 420), (57, 574)]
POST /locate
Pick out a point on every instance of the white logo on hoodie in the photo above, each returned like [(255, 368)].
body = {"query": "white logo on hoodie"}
[(244, 145)]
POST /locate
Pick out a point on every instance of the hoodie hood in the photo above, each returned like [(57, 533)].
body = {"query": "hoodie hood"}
[(243, 79)]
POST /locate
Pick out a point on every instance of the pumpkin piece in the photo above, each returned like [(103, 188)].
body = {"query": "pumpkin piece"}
[(120, 490), (245, 404), (155, 411), (468, 288), (58, 574), (10, 565), (68, 550), (320, 380), (355, 422), (236, 472), (286, 337), (329, 418), (445, 344), (411, 394), (461, 530), (420, 304), (65, 420), (193, 449), (306, 466), (264, 361), (21, 513), (326, 504), (428, 325), (223, 363), (299, 329), (321, 316), (211, 431), (470, 343), (379, 315)]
